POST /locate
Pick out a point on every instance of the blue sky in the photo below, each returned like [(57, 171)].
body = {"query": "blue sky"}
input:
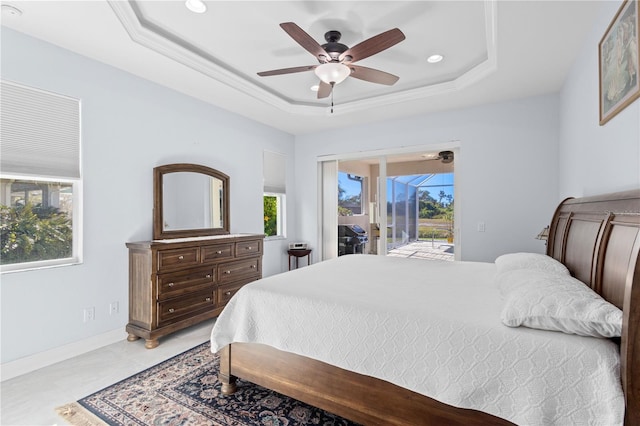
[(444, 182)]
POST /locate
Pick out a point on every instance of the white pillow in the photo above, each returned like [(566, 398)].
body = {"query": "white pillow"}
[(558, 302), (536, 261)]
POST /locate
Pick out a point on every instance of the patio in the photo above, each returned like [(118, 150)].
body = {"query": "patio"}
[(428, 250)]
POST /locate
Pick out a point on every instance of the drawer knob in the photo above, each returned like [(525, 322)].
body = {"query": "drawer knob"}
[(227, 272), (219, 252), (171, 310), (249, 248), (180, 257), (227, 293), (208, 299), (253, 266), (171, 284), (208, 276)]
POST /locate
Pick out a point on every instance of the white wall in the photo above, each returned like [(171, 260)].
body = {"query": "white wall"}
[(517, 160), (129, 126), (595, 159), (506, 171)]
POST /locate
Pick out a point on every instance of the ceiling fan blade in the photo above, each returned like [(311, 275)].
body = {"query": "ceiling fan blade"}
[(372, 46), (304, 40), (287, 70), (324, 90), (374, 76)]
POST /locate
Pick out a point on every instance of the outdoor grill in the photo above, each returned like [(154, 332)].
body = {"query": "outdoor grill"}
[(351, 239)]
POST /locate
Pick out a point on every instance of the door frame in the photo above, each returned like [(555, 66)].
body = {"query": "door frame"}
[(381, 155)]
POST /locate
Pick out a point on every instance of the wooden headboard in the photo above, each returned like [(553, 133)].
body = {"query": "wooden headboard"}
[(598, 239)]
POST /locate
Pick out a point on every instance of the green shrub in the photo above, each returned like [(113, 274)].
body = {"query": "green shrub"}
[(270, 216), (28, 234), (343, 211)]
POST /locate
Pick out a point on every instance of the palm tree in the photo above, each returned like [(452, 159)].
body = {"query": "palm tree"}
[(341, 192)]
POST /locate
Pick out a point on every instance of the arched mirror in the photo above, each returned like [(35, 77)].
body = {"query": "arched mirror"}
[(189, 200)]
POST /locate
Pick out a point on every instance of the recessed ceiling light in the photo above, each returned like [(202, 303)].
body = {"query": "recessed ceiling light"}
[(315, 88), (433, 59), (196, 6), (8, 10)]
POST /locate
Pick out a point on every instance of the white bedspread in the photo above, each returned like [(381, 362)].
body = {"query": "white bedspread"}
[(434, 328)]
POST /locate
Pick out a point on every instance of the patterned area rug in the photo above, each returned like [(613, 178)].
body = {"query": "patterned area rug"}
[(185, 390)]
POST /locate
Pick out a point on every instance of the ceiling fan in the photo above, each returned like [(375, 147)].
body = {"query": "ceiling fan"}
[(337, 60), (445, 156)]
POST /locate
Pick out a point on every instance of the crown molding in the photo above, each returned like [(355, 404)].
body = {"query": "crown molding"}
[(152, 37)]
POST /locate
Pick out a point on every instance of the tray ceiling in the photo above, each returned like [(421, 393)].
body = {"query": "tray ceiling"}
[(492, 51)]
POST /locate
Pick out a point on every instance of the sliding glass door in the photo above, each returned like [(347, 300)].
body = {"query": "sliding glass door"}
[(388, 202)]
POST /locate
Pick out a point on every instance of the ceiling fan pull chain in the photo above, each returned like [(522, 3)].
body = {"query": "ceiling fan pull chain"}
[(332, 87)]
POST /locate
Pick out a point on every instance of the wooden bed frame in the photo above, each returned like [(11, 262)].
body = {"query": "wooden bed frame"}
[(597, 238)]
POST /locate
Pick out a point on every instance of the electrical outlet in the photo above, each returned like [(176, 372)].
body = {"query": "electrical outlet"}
[(481, 227), (89, 314), (114, 308)]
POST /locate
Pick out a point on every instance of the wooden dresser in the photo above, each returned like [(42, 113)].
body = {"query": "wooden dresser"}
[(175, 283)]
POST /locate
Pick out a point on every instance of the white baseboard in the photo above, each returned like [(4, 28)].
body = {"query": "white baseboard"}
[(9, 370)]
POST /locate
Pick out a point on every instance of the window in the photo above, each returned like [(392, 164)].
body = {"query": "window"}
[(273, 215), (274, 173), (350, 190), (39, 179)]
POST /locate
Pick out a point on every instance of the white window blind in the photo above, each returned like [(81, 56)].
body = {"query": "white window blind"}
[(40, 133), (274, 172)]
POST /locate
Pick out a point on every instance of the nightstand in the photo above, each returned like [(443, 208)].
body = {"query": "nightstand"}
[(297, 254)]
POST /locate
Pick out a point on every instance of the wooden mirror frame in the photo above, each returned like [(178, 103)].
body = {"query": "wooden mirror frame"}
[(159, 232)]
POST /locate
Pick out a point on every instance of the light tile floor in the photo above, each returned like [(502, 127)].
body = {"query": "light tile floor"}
[(436, 250), (31, 399)]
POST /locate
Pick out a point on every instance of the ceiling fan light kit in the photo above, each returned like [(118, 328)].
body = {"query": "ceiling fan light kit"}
[(332, 72)]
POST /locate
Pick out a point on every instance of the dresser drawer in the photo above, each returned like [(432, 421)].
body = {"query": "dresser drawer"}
[(176, 258), (226, 292), (216, 252), (232, 271), (180, 307), (248, 248), (176, 283)]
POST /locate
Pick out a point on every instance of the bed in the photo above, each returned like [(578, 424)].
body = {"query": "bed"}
[(365, 359)]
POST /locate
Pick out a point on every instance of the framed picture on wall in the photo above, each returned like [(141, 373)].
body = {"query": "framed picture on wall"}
[(618, 54)]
